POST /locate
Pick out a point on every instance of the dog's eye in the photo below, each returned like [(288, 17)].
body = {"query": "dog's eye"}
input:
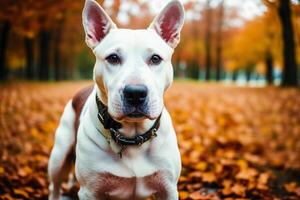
[(155, 60), (113, 59)]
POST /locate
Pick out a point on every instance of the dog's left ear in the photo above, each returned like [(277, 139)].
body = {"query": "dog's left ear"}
[(169, 22)]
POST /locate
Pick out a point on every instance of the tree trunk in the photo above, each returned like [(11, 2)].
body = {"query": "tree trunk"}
[(235, 75), (5, 29), (57, 50), (195, 70), (290, 75), (208, 41), (248, 74), (269, 61), (29, 53), (196, 64), (219, 41), (44, 55), (57, 58)]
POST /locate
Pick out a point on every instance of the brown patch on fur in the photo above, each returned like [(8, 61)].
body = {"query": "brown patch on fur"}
[(78, 102), (156, 182), (108, 182), (100, 84)]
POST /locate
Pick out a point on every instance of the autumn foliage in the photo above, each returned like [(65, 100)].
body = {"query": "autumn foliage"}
[(235, 143), (44, 39)]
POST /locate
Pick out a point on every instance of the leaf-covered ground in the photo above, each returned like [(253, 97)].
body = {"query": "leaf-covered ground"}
[(236, 143)]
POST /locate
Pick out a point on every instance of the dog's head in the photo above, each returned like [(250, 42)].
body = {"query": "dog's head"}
[(133, 67)]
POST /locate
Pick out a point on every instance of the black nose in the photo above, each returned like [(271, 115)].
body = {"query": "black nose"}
[(135, 94)]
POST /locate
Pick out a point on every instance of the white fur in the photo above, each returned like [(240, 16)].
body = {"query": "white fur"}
[(150, 169)]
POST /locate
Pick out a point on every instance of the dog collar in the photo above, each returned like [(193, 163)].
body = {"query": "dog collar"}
[(113, 126)]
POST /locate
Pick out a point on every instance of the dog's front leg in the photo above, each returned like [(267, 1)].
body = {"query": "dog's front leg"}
[(60, 161), (86, 194)]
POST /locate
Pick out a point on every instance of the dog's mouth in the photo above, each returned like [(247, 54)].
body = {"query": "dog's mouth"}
[(136, 114)]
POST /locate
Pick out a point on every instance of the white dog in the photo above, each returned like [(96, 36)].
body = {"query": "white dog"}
[(125, 144)]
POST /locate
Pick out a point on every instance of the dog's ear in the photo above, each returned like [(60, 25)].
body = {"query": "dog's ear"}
[(169, 22), (96, 23)]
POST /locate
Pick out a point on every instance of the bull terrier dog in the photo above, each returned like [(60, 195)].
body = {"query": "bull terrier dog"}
[(118, 130)]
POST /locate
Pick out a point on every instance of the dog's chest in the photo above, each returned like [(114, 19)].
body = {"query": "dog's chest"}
[(117, 187)]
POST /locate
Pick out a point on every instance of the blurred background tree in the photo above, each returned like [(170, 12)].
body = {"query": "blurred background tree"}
[(44, 40)]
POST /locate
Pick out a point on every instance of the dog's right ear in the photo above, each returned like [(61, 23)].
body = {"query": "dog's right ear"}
[(96, 23), (169, 22)]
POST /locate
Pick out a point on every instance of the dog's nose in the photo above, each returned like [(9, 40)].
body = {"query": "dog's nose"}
[(135, 94)]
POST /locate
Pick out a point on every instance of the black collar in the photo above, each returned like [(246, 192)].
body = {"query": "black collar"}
[(109, 123)]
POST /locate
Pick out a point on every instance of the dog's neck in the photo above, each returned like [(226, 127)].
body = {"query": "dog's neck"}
[(131, 129)]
